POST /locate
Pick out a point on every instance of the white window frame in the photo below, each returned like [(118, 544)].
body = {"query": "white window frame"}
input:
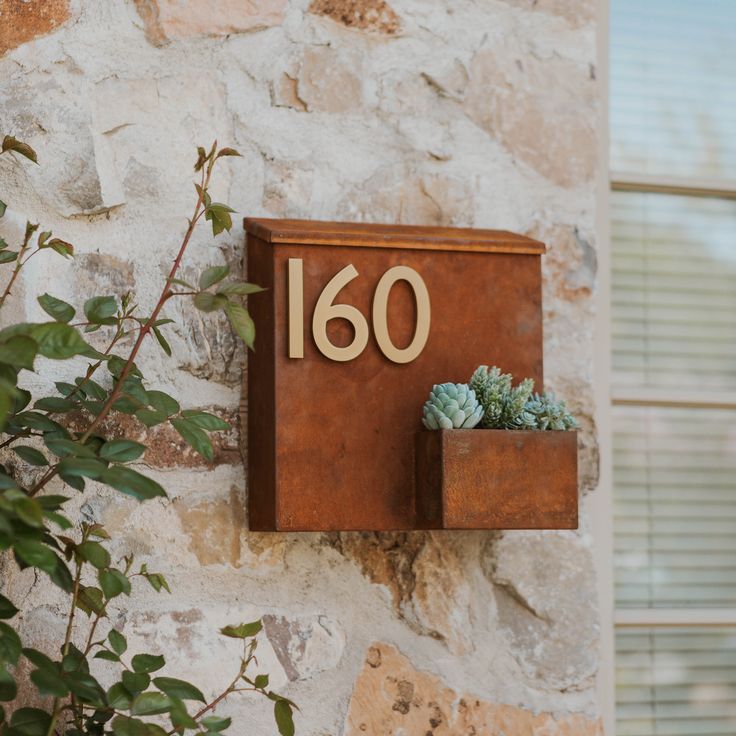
[(598, 505)]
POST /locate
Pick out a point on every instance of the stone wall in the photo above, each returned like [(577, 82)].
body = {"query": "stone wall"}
[(453, 112)]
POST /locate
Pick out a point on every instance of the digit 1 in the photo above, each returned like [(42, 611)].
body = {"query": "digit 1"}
[(296, 308)]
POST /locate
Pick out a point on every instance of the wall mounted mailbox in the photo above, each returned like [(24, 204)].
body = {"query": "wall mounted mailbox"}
[(359, 321)]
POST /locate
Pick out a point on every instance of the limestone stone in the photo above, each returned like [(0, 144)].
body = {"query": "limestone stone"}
[(364, 15), (392, 698), (543, 583), (539, 109), (305, 645), (23, 20), (328, 82), (168, 20), (575, 12)]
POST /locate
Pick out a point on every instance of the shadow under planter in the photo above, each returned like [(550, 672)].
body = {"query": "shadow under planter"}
[(496, 479)]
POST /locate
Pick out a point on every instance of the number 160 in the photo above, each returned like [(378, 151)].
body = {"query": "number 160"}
[(325, 310)]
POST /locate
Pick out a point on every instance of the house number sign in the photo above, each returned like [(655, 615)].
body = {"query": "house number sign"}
[(326, 309)]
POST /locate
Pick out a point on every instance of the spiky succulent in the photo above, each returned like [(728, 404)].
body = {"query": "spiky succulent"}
[(504, 405), (452, 406), (549, 412)]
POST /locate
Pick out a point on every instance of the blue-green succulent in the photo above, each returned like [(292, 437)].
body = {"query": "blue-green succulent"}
[(550, 413), (452, 406)]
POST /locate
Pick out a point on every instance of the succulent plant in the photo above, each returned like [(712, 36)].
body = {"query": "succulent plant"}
[(549, 412), (504, 405), (452, 406)]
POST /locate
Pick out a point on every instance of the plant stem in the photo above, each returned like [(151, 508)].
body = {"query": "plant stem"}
[(145, 329), (18, 265)]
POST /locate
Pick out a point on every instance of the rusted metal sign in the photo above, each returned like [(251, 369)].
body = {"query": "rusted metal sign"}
[(358, 323)]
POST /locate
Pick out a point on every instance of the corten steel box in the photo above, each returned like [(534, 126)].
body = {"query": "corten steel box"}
[(331, 444), (497, 479)]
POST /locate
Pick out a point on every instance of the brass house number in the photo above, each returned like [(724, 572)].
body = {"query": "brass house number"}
[(326, 309)]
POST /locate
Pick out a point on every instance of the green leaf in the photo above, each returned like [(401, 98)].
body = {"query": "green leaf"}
[(180, 282), (81, 467), (163, 402), (216, 723), (219, 215), (61, 576), (7, 609), (49, 683), (113, 583), (151, 704), (19, 351), (261, 681), (180, 717), (136, 682), (29, 511), (206, 302), (108, 656), (227, 152), (31, 455), (213, 275), (145, 663), (36, 420), (60, 246), (8, 688), (195, 437), (118, 697), (56, 404), (156, 580), (242, 322), (30, 722), (178, 689), (35, 554), (205, 420), (56, 308), (91, 600), (74, 660), (3, 208), (162, 341), (132, 483), (10, 143), (65, 448), (242, 631), (117, 642), (284, 719), (121, 451), (86, 688), (94, 553), (8, 256), (101, 310), (239, 288), (151, 418), (10, 646), (57, 340)]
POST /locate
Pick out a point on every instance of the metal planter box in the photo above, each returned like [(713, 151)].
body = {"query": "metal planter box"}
[(496, 479)]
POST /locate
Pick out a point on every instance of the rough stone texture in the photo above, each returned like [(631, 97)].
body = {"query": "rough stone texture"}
[(168, 20), (364, 15), (449, 112), (391, 697), (23, 20)]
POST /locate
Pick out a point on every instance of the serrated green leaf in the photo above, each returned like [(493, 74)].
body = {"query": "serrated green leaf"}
[(205, 420), (19, 351), (213, 275), (49, 683), (56, 308), (113, 583), (121, 451), (58, 340), (65, 448), (219, 215), (119, 697), (151, 418), (261, 681), (151, 704), (94, 553), (55, 404), (28, 510), (30, 455), (240, 288), (118, 642), (207, 302), (132, 483), (284, 719), (163, 402), (145, 663), (91, 600), (216, 723), (178, 688), (30, 722), (107, 656), (194, 437), (242, 322), (81, 467), (7, 609), (8, 256), (60, 246), (101, 310), (135, 682), (242, 631)]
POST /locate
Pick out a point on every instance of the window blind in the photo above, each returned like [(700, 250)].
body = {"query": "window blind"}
[(676, 682), (673, 108), (675, 507), (674, 291)]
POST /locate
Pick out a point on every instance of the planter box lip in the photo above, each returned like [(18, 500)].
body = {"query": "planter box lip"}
[(526, 432)]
